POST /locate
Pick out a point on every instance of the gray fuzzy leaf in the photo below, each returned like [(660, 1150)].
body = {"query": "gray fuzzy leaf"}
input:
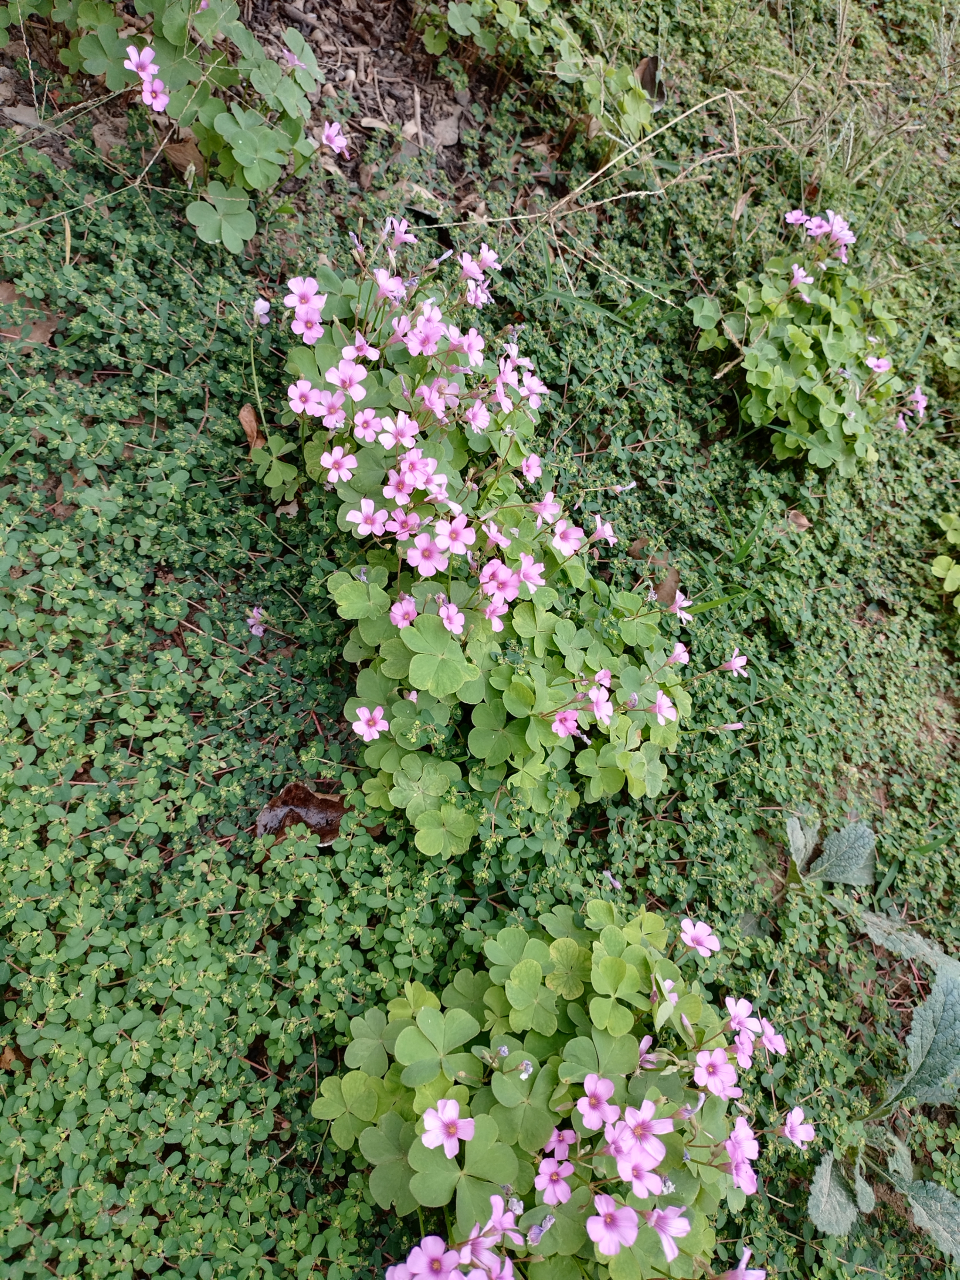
[(892, 935), (848, 856), (802, 837), (898, 1158), (933, 1046), (866, 1200), (830, 1206), (937, 1211)]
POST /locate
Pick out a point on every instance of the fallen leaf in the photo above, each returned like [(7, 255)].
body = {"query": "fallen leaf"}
[(7, 1059), (741, 204), (22, 115), (251, 429), (184, 154), (799, 520), (374, 122), (636, 549), (667, 590), (290, 509), (367, 172), (297, 803), (107, 136), (34, 331)]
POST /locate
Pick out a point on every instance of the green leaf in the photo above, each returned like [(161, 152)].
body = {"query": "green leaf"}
[(444, 832), (487, 1164), (830, 1205), (222, 218), (371, 1038), (357, 599), (349, 1102), (533, 1006), (491, 739), (441, 674), (466, 992), (933, 1046), (848, 856), (385, 1146), (889, 933), (802, 837), (938, 1211), (429, 1047), (571, 968)]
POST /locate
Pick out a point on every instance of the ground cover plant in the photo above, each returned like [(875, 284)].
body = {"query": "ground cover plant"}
[(178, 989)]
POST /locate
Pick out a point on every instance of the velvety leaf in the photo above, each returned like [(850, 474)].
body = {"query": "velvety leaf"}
[(830, 1205), (892, 935), (933, 1046), (848, 856), (937, 1210)]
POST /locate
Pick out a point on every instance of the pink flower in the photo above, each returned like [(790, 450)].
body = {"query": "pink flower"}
[(291, 59), (839, 231), (531, 467), (304, 398), (367, 424), (452, 618), (469, 270), (879, 364), (455, 535), (737, 664), (477, 1252), (426, 557), (369, 724), (637, 1169), (499, 582), (391, 288), (347, 376), (254, 622), (261, 309), (603, 677), (740, 1020), (531, 572), (404, 524), (501, 1223), (403, 612), (920, 402), (614, 1226), (494, 611), (307, 324), (680, 654), (644, 1125), (604, 530), (487, 258), (400, 1271), (715, 1073), (401, 232), (742, 1273), (669, 1225), (796, 1131), (619, 1140), (533, 390), (478, 417), (663, 709), (565, 724), (561, 1140), (743, 1043), (771, 1039), (550, 1180), (360, 349), (546, 510), (494, 537), (817, 227), (303, 293), (152, 95), (594, 1107), (431, 1257), (141, 61), (433, 400), (678, 609), (443, 1127), (367, 519), (470, 343), (400, 434), (600, 704), (737, 724), (648, 1061), (901, 423), (477, 294), (742, 1147), (800, 277), (332, 137), (699, 937), (667, 984), (568, 538), (331, 406), (341, 466), (796, 218)]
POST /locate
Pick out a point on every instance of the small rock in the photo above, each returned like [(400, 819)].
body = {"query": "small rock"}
[(446, 133)]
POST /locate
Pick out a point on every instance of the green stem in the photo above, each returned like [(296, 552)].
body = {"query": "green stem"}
[(256, 384)]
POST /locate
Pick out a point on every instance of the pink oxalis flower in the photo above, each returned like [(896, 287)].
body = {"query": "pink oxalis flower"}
[(595, 1108), (614, 1227), (699, 937), (370, 724), (443, 1127), (796, 1131), (670, 1225)]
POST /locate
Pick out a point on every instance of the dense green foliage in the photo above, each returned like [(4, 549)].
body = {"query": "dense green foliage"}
[(174, 987)]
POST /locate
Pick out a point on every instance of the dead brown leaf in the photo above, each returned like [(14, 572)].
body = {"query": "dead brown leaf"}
[(799, 521), (251, 429), (297, 803), (667, 589), (636, 549), (741, 204), (184, 154), (7, 1059), (289, 509), (33, 331)]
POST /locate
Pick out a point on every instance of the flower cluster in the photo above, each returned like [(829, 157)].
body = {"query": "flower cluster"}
[(630, 1154), (152, 89)]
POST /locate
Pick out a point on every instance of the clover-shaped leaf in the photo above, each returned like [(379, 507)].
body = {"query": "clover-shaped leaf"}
[(444, 832), (386, 1146), (222, 218), (533, 1006), (488, 1165), (429, 1047), (350, 1102), (373, 1039), (571, 968)]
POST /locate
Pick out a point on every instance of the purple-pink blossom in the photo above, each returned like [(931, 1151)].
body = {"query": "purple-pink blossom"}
[(771, 1039), (531, 572), (743, 1043), (604, 531), (261, 309), (680, 654), (637, 1167), (452, 618), (920, 403), (303, 291), (648, 1061), (737, 664), (568, 538), (715, 1073), (499, 582), (332, 136), (531, 468), (740, 1019), (401, 434), (600, 704), (153, 94), (370, 724), (742, 1147), (560, 1142), (501, 1223), (304, 398), (367, 519), (442, 1126), (644, 1125), (426, 556), (291, 59), (879, 364), (348, 375), (796, 1131), (678, 607), (366, 425), (455, 535), (670, 1225), (141, 62), (800, 277), (400, 228), (550, 1180), (565, 723), (360, 349), (547, 509), (742, 1272), (494, 611), (796, 217), (255, 621), (342, 465), (614, 1227), (306, 324), (391, 288), (431, 1258), (403, 612), (699, 937), (487, 258), (663, 708), (594, 1107)]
